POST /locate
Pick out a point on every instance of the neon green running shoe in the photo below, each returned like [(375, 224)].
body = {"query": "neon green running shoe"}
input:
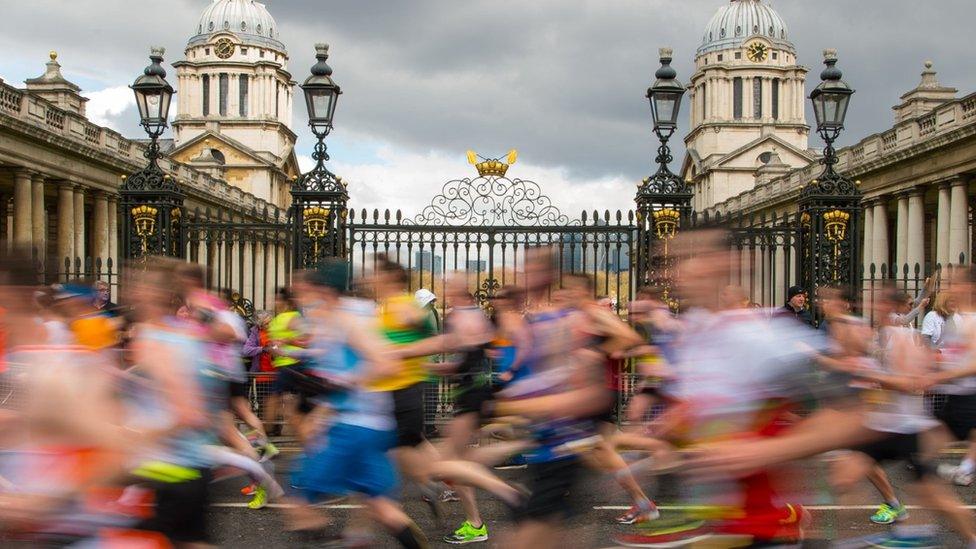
[(468, 534), (260, 499), (887, 514)]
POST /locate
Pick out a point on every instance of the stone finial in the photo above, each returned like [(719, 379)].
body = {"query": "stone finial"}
[(666, 53), (929, 78), (830, 54), (157, 51), (53, 55)]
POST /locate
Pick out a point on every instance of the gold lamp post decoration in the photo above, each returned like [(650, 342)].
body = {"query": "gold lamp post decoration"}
[(835, 228), (316, 220), (144, 219), (666, 223)]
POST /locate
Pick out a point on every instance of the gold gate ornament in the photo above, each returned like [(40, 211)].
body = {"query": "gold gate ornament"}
[(144, 219), (666, 223)]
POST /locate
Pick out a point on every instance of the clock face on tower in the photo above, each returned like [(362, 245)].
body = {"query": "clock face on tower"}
[(757, 51), (224, 48)]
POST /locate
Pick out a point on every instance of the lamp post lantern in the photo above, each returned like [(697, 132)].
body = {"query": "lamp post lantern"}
[(663, 199), (830, 205), (151, 203), (319, 197)]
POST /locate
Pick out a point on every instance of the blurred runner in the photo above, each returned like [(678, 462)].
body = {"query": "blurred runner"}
[(347, 453)]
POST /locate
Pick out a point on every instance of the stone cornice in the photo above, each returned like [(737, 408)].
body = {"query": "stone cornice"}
[(950, 123), (36, 119)]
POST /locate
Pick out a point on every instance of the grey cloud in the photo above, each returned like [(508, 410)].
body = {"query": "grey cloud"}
[(562, 80)]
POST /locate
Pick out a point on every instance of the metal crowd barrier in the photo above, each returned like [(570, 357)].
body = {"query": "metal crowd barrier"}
[(439, 395)]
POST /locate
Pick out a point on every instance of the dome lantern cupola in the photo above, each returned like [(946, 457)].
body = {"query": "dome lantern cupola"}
[(247, 19), (741, 20)]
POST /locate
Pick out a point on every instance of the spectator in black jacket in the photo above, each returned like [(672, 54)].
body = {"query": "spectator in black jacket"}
[(796, 301)]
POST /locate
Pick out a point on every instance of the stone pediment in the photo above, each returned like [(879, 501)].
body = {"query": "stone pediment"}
[(746, 156), (234, 151)]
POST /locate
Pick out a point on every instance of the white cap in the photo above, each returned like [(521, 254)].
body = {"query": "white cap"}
[(424, 297)]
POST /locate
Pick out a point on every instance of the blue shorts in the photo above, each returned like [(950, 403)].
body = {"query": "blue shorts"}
[(348, 460)]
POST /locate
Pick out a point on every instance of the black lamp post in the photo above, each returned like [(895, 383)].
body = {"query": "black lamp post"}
[(151, 204), (319, 197), (663, 199), (830, 100), (830, 206)]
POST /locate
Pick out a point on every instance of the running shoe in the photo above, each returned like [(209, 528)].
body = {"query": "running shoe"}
[(249, 490), (889, 540), (675, 532), (269, 451), (953, 474), (887, 514), (431, 497), (449, 496), (637, 515), (260, 499), (467, 534)]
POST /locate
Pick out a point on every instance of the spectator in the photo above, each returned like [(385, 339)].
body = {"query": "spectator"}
[(940, 320), (796, 301), (103, 299), (257, 348), (428, 301)]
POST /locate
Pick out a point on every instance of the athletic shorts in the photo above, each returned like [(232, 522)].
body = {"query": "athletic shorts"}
[(959, 415), (898, 447), (472, 399), (283, 381), (180, 509), (408, 410), (552, 485), (348, 459), (238, 389)]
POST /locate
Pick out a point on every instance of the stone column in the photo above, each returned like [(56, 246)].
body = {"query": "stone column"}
[(38, 217), (100, 229), (958, 222), (879, 246), (942, 227), (113, 232), (79, 212), (22, 208), (66, 224), (916, 231), (868, 245), (901, 235)]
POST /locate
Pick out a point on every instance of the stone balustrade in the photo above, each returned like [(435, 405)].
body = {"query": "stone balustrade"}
[(130, 154), (868, 154)]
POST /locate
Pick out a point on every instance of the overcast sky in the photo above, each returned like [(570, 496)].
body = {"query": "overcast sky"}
[(563, 81)]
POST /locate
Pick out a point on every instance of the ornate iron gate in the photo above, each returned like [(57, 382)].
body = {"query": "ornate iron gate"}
[(480, 228)]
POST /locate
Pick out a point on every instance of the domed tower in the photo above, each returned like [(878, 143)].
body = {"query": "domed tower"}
[(235, 101), (747, 103)]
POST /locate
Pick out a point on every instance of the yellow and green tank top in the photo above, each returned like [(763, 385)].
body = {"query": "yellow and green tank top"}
[(278, 330), (398, 333)]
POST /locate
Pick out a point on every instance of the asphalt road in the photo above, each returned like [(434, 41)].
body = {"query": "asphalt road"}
[(599, 501)]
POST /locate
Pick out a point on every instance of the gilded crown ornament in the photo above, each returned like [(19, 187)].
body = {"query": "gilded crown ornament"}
[(666, 222), (492, 167), (835, 224)]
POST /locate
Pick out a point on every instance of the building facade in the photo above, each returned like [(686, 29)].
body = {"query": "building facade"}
[(746, 102), (60, 173), (916, 177), (236, 99)]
